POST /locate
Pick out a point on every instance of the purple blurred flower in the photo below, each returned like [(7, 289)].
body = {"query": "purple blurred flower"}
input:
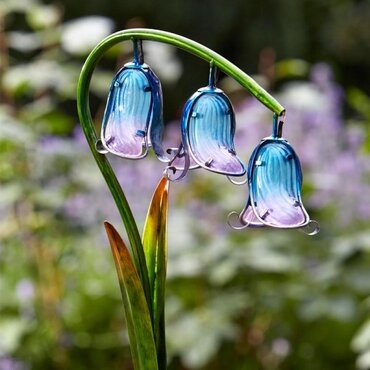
[(25, 290), (8, 363)]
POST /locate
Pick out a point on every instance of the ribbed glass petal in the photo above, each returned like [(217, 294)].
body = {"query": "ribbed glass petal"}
[(208, 127), (156, 120), (275, 181), (127, 113)]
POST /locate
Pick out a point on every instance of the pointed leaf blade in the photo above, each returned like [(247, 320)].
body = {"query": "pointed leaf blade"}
[(155, 249), (136, 309)]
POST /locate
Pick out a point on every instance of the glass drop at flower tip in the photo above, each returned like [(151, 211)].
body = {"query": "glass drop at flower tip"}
[(275, 182)]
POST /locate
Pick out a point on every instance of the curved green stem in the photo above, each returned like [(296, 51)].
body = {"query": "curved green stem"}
[(192, 47), (88, 126), (108, 173)]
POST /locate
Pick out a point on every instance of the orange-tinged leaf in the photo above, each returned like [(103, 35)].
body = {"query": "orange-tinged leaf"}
[(137, 314)]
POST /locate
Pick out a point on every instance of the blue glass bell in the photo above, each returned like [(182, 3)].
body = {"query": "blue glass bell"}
[(133, 118), (207, 129), (275, 182)]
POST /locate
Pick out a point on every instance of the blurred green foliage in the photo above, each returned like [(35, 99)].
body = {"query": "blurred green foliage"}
[(235, 300)]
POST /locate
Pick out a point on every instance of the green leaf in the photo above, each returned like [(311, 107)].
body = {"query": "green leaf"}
[(155, 249), (136, 309)]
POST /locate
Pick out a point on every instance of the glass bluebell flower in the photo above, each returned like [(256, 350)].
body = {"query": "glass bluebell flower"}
[(207, 130), (133, 118), (275, 182)]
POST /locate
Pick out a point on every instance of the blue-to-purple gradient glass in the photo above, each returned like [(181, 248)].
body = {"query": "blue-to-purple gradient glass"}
[(275, 182), (133, 117), (208, 128), (133, 121)]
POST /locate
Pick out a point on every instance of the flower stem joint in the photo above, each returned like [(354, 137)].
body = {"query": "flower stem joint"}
[(133, 122)]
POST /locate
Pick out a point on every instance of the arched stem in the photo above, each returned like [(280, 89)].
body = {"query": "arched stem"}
[(88, 126), (107, 171), (190, 46)]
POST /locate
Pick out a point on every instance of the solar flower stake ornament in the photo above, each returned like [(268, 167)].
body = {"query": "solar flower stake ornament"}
[(133, 123)]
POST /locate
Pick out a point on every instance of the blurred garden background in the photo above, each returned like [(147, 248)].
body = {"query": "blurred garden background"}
[(236, 300)]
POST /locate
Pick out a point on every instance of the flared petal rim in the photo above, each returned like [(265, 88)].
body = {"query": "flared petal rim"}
[(248, 217)]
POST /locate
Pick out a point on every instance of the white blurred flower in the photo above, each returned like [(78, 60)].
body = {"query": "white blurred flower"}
[(43, 16), (163, 60), (80, 36), (281, 347), (306, 96)]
